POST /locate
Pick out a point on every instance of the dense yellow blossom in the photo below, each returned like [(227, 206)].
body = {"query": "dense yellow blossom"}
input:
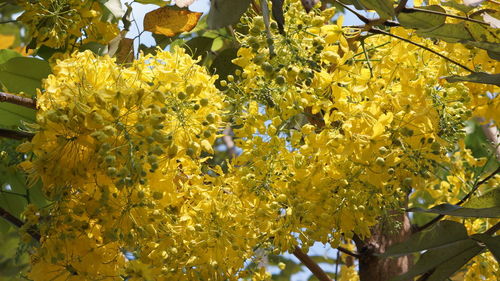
[(59, 23), (337, 129)]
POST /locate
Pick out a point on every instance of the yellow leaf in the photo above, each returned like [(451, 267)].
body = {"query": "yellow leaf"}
[(170, 21), (379, 127), (6, 41), (205, 144)]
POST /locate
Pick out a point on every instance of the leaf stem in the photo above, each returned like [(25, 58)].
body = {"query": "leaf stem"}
[(412, 10), (311, 265), (16, 135), (493, 229), (14, 99), (17, 222), (14, 193), (360, 16), (8, 21), (379, 31), (350, 253)]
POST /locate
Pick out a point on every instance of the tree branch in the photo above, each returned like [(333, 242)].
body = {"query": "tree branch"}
[(379, 31), (401, 6), (346, 251), (10, 98), (493, 229), (228, 141), (360, 16), (311, 265), (413, 10), (17, 135), (8, 21), (476, 186), (17, 222)]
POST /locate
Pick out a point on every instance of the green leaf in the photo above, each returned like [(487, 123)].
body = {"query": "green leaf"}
[(46, 52), (436, 257), (422, 20), (440, 234), (4, 226), (226, 12), (483, 33), (384, 8), (454, 210), (115, 8), (160, 3), (476, 77), (492, 48), (494, 55), (94, 47), (492, 243), (12, 116), (487, 200), (222, 63), (451, 33), (218, 44), (446, 269), (198, 46), (22, 74), (6, 54), (460, 7), (163, 41)]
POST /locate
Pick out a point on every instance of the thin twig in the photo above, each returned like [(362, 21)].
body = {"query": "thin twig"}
[(379, 31), (337, 265), (14, 99), (229, 142), (367, 58), (269, 36), (350, 253), (16, 135), (360, 16), (311, 265), (413, 10), (476, 186), (17, 222), (401, 6), (8, 21)]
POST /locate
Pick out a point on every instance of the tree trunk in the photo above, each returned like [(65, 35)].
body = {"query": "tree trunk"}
[(372, 268)]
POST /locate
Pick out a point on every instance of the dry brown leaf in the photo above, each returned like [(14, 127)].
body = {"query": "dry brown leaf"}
[(125, 53), (170, 20)]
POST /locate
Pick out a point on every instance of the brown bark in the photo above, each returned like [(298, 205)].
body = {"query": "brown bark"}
[(373, 268)]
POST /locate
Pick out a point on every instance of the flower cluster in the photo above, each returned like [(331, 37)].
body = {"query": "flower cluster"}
[(120, 151), (337, 129), (58, 23)]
